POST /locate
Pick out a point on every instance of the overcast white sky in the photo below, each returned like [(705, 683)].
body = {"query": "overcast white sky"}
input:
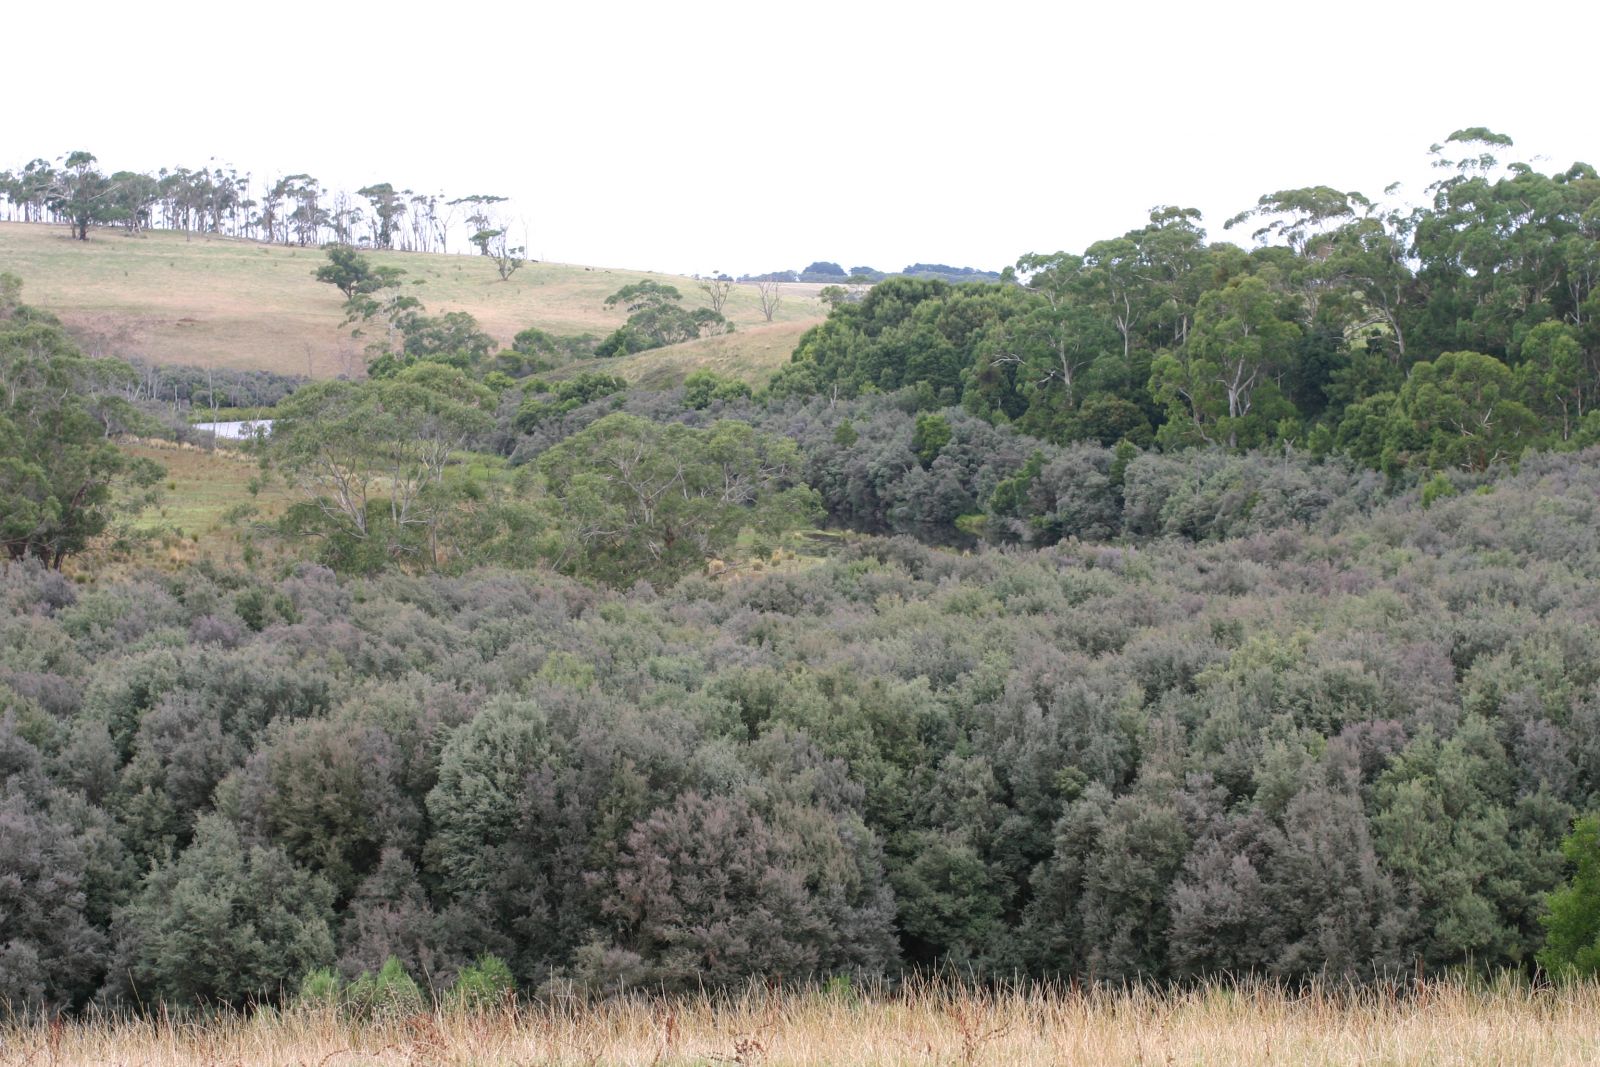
[(744, 137)]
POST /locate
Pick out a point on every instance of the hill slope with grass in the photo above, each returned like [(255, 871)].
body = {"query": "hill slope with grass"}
[(751, 354), (214, 301)]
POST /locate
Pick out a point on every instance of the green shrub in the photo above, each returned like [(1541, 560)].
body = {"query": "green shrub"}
[(1572, 921), (483, 984), (389, 992), (1437, 488), (319, 988)]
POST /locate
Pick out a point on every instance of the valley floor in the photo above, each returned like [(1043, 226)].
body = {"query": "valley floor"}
[(1224, 1025)]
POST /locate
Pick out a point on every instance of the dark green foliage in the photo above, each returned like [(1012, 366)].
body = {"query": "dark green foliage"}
[(51, 952), (325, 791), (656, 319), (1285, 739), (1572, 924), (645, 499), (704, 388), (1455, 335), (903, 332), (198, 387), (544, 402), (453, 337), (353, 273), (60, 473), (534, 351), (485, 983), (222, 924)]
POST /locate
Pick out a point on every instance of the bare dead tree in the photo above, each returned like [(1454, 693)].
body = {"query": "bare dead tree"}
[(771, 295), (717, 287)]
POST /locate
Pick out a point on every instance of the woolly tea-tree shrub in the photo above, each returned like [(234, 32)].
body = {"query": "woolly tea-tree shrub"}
[(223, 924)]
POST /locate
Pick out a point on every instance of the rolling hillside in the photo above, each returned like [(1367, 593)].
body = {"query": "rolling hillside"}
[(752, 354), (224, 302)]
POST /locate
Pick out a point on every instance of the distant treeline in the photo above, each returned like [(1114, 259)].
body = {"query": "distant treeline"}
[(182, 387), (1456, 334), (75, 190), (831, 273)]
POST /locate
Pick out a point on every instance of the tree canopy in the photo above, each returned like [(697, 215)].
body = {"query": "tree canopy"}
[(61, 475)]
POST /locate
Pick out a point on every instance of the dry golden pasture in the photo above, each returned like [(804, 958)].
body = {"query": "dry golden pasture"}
[(1216, 1026), (216, 301)]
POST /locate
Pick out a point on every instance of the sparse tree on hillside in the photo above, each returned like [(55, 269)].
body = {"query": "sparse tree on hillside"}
[(770, 295), (345, 216), (308, 217), (81, 194), (508, 258), (29, 188), (717, 289), (655, 319), (133, 198), (480, 216), (388, 208), (490, 232), (271, 211), (353, 273)]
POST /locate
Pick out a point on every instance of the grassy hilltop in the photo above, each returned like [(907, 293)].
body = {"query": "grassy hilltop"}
[(215, 301)]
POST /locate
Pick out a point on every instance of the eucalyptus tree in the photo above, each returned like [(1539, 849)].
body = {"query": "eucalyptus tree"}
[(308, 217), (344, 216), (28, 188), (1242, 341), (62, 479), (717, 287), (1055, 341), (1553, 376), (656, 318), (369, 459), (1306, 221), (133, 200), (653, 500), (1463, 410), (353, 274), (1504, 246), (388, 212), (80, 193)]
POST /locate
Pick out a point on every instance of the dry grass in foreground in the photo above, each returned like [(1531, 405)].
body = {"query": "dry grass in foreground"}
[(1509, 1024)]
